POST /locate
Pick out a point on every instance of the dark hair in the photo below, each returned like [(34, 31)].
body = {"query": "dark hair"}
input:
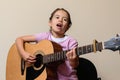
[(69, 18)]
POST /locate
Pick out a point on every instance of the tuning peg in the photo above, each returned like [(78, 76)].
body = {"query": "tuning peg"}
[(117, 35), (118, 40)]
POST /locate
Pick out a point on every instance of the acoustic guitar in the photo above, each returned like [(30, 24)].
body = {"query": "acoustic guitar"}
[(47, 52)]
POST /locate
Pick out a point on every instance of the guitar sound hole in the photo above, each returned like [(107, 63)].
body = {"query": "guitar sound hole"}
[(38, 62)]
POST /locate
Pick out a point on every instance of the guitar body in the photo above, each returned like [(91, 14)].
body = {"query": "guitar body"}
[(13, 66)]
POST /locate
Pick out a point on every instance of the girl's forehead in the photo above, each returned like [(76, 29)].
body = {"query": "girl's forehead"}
[(61, 12)]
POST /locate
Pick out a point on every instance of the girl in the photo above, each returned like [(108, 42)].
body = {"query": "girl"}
[(59, 23)]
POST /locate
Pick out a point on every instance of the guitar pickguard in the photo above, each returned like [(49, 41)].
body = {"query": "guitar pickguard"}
[(32, 74)]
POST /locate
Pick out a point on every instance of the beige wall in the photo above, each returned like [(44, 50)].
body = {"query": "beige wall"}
[(92, 19)]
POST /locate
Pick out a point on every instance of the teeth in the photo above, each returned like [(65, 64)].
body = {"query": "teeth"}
[(59, 25)]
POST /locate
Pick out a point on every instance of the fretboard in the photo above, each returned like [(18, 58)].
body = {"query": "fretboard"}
[(79, 51)]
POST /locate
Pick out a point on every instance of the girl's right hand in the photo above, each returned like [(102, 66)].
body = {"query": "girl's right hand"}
[(30, 59)]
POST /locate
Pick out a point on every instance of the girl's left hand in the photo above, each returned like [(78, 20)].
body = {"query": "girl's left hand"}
[(73, 58)]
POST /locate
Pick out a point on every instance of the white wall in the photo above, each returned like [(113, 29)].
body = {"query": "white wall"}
[(92, 19)]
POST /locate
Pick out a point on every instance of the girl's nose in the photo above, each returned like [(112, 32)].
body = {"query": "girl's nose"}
[(60, 19)]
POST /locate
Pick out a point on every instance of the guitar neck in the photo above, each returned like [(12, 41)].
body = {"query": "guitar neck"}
[(89, 48), (79, 51)]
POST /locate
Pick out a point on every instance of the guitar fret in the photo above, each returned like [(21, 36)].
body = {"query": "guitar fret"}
[(84, 49), (62, 56), (80, 51), (77, 51), (58, 55), (49, 59), (45, 57), (52, 58), (89, 48)]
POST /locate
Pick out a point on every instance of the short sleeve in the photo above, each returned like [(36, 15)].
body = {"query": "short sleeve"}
[(42, 36), (73, 43)]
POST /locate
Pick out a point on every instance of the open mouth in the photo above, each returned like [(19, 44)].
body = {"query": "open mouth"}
[(59, 25)]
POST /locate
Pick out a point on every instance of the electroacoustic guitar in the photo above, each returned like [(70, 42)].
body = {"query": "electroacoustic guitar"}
[(47, 52)]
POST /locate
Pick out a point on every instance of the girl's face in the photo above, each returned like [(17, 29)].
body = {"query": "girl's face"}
[(59, 23)]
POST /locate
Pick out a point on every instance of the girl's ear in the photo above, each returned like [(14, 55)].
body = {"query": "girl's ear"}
[(67, 28)]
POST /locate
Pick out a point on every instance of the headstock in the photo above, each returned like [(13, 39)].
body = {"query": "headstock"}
[(113, 43)]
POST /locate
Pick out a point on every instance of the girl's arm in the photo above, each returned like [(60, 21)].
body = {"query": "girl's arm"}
[(20, 46)]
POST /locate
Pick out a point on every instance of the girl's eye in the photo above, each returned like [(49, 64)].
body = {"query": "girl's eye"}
[(57, 17), (65, 19)]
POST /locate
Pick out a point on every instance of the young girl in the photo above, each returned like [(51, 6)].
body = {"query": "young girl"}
[(59, 23)]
